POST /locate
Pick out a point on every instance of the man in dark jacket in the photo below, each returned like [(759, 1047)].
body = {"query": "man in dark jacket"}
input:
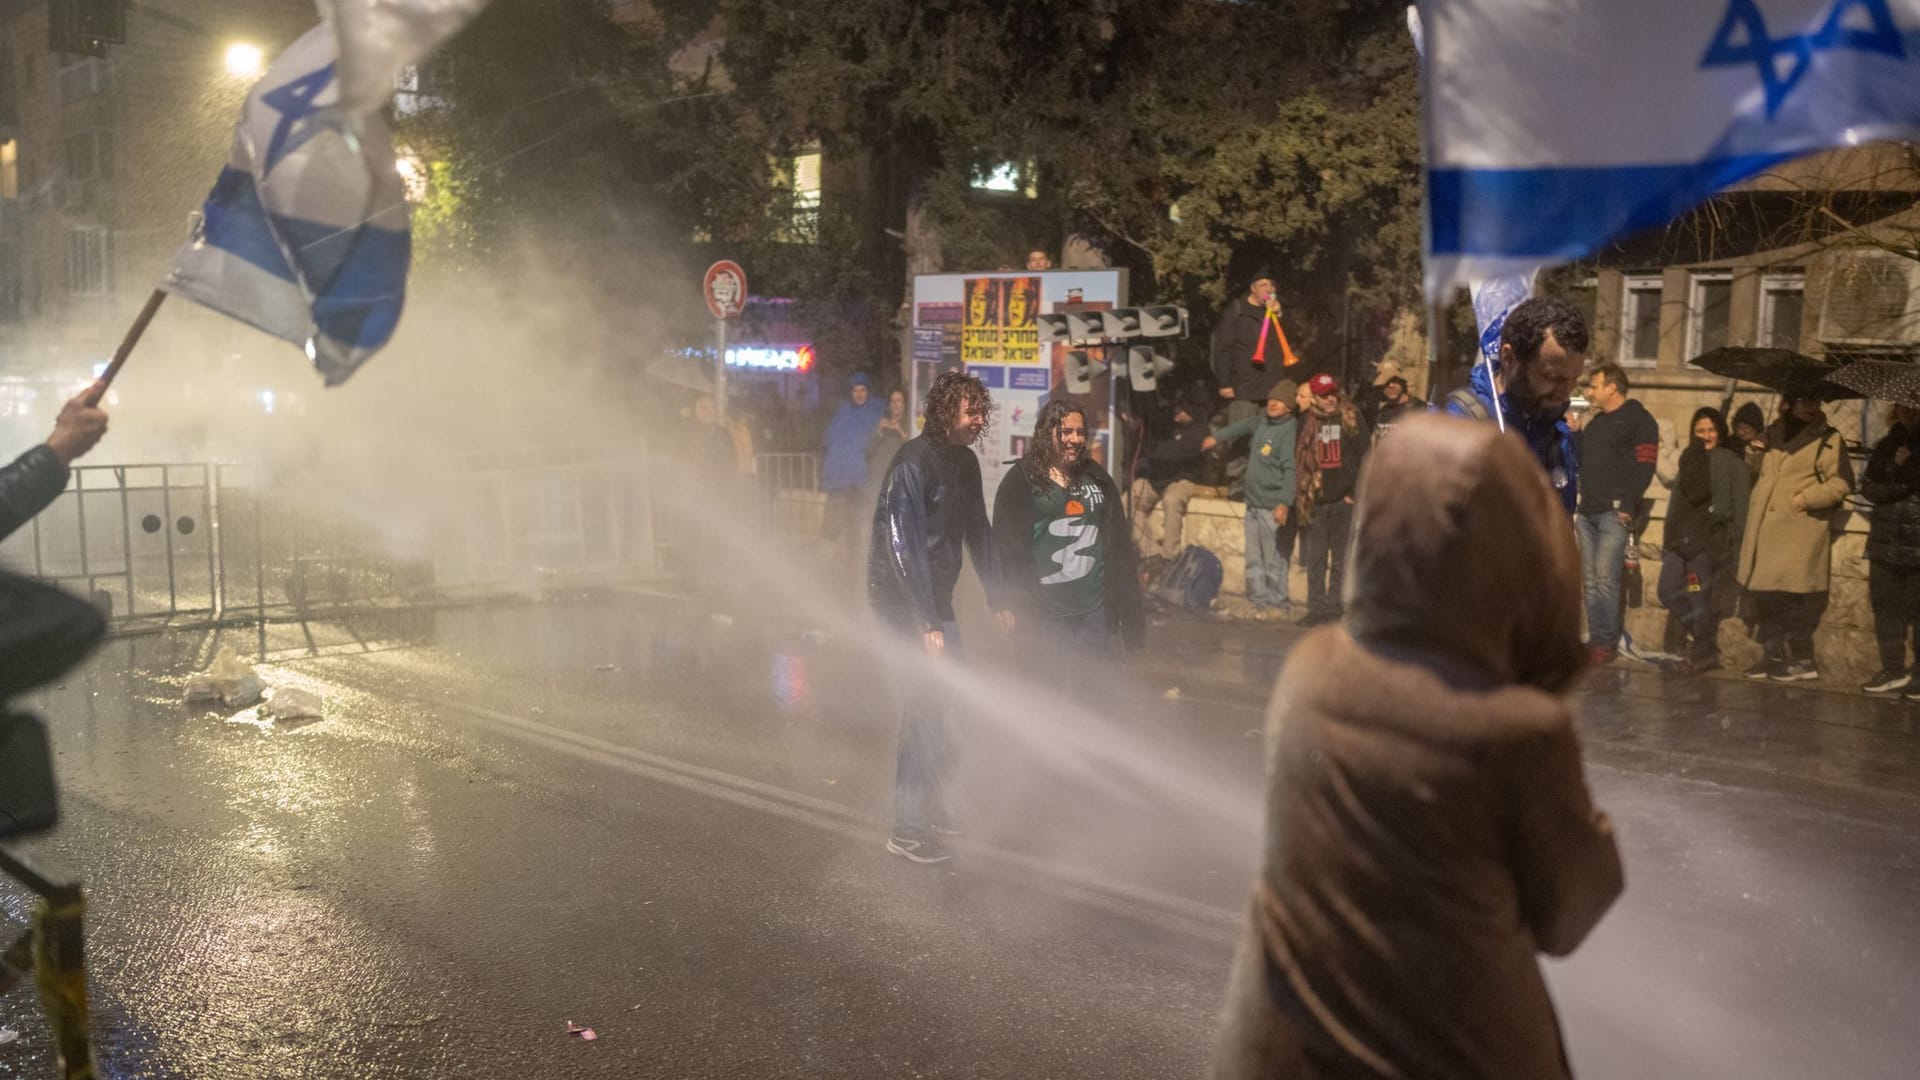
[(38, 476), (45, 630), (930, 508), (1891, 483), (1396, 404), (1249, 351), (1333, 444), (1543, 346), (1619, 447), (1173, 467), (1067, 571)]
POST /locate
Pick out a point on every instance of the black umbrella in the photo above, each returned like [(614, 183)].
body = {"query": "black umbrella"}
[(1886, 380), (1783, 370)]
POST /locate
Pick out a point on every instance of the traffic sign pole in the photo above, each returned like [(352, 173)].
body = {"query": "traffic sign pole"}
[(725, 290)]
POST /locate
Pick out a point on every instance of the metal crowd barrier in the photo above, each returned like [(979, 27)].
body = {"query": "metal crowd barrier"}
[(789, 486), (181, 543)]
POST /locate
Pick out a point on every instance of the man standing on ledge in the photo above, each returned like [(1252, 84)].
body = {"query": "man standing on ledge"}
[(1249, 351), (1543, 348), (930, 508)]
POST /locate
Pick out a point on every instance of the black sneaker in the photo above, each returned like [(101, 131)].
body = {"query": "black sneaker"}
[(929, 850), (1886, 682), (1765, 669), (1797, 671)]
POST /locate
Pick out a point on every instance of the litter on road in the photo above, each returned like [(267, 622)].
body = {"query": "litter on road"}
[(228, 680), (586, 1033), (292, 703)]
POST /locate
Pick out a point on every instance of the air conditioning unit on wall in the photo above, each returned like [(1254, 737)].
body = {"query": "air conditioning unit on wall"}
[(1872, 302)]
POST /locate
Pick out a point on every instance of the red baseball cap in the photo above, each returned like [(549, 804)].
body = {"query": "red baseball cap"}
[(1323, 386)]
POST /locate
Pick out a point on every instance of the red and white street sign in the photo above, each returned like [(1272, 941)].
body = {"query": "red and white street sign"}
[(725, 289)]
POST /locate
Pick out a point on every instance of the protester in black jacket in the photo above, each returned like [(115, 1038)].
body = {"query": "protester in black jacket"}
[(930, 508), (45, 630), (1174, 466), (1892, 483), (1249, 353), (1705, 518)]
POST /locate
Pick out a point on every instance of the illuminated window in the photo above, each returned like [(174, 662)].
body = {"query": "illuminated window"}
[(10, 169)]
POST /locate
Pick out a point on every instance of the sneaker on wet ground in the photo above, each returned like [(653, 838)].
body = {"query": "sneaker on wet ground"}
[(1797, 671), (1765, 669), (1887, 681), (921, 850)]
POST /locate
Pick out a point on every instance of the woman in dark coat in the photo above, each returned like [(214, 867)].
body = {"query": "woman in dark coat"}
[(1706, 516), (1429, 829), (1891, 483)]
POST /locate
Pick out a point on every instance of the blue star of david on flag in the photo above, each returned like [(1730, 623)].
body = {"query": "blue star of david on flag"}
[(295, 104), (1553, 129), (1743, 39)]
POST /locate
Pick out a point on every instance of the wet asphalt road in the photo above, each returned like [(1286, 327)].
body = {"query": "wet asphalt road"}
[(622, 812)]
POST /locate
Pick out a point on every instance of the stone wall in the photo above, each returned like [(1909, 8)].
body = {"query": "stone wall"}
[(1844, 643)]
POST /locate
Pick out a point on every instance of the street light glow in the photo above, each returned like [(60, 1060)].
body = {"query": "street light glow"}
[(245, 61)]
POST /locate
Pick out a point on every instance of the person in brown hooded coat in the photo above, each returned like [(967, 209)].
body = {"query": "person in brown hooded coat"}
[(1429, 827)]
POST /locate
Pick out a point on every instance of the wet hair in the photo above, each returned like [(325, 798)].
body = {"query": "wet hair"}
[(950, 390), (1042, 450), (1527, 326), (1719, 424)]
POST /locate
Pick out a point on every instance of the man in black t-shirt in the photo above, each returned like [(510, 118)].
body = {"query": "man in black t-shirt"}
[(1333, 444)]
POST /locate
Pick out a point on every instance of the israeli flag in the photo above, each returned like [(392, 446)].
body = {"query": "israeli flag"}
[(305, 234), (1553, 128)]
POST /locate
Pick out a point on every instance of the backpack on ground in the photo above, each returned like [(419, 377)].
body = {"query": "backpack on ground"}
[(1191, 581)]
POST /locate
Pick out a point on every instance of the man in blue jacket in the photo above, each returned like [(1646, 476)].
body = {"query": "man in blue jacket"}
[(843, 473), (1543, 349)]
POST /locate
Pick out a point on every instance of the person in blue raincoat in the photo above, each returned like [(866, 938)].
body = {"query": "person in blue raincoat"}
[(843, 472)]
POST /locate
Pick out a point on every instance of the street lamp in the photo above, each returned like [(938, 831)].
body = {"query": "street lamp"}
[(245, 61)]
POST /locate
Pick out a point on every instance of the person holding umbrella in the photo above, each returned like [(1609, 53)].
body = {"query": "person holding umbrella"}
[(1785, 563)]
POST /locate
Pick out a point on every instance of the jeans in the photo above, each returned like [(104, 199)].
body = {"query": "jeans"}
[(1080, 651), (926, 753), (1267, 546), (1894, 595), (1603, 551), (1686, 590), (1326, 557), (1174, 497), (1236, 454)]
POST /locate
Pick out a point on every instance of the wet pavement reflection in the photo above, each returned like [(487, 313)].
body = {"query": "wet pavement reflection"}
[(666, 822)]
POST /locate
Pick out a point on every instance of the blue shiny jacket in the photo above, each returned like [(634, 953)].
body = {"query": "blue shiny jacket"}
[(1549, 437)]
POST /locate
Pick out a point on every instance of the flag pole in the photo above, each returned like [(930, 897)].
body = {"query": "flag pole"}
[(120, 355)]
